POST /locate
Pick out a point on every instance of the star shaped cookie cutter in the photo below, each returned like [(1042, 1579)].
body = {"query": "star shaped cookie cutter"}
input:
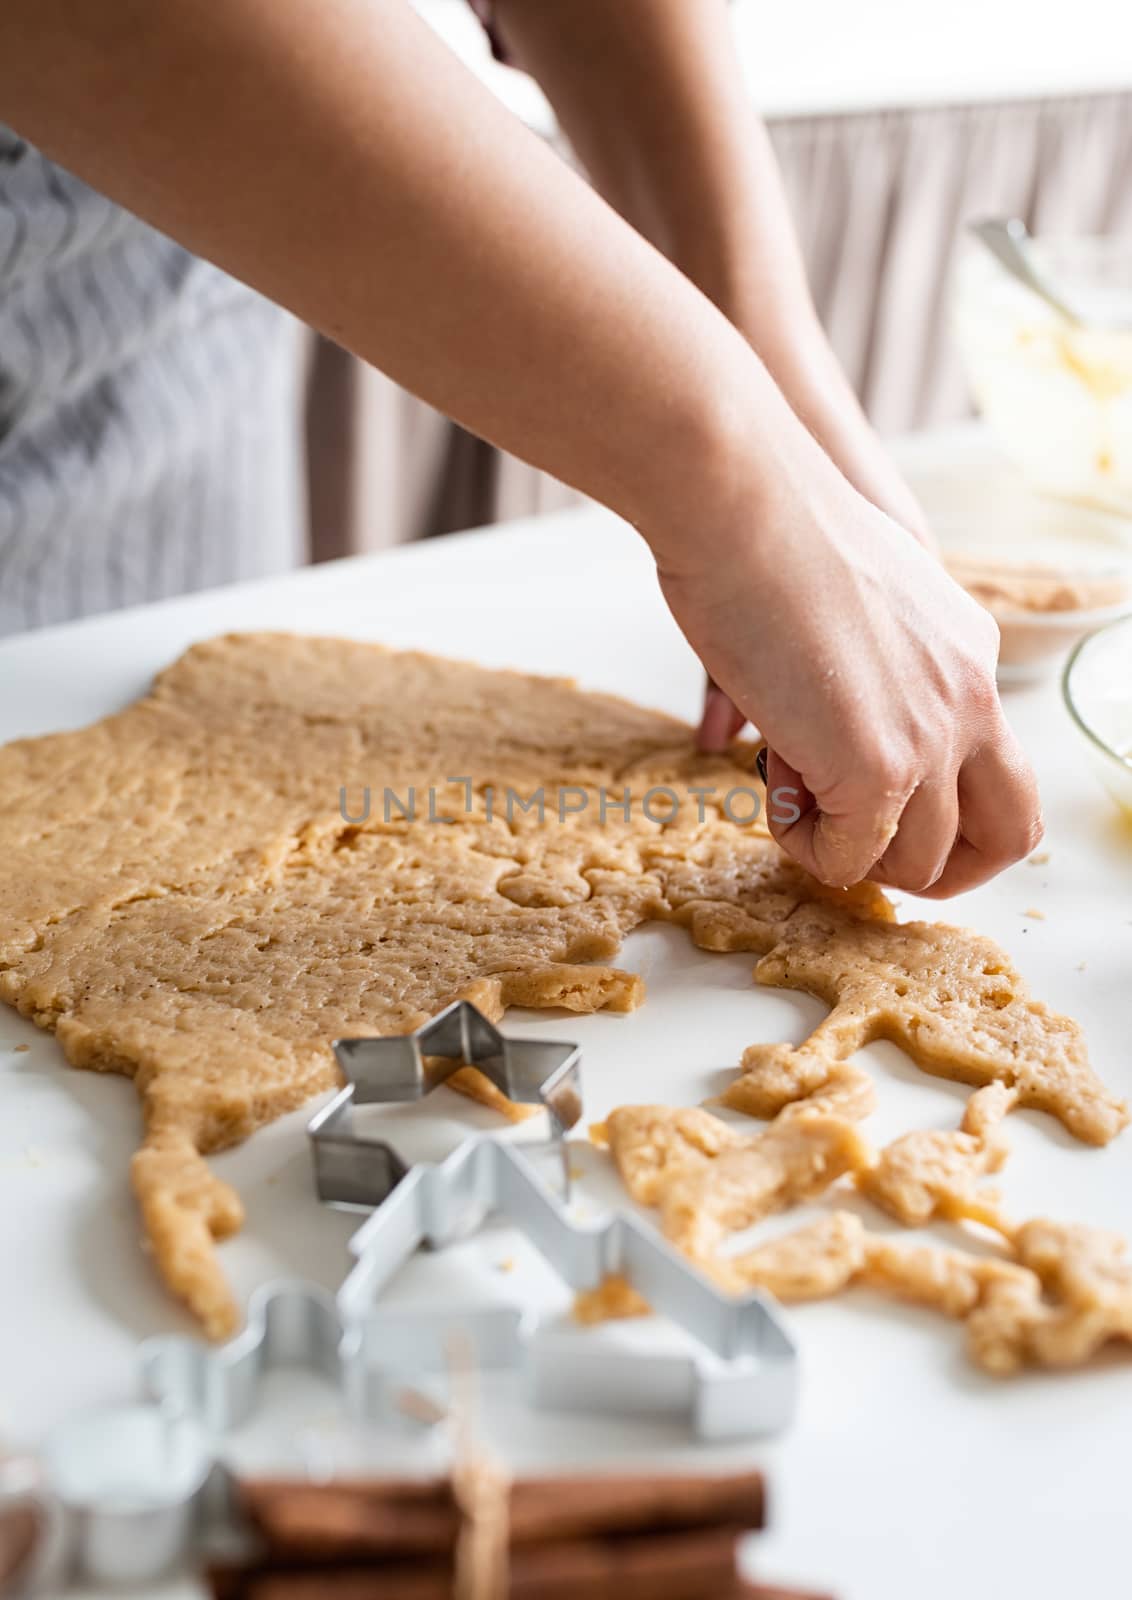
[(352, 1170)]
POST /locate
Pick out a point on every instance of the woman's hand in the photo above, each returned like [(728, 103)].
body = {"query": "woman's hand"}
[(446, 250), (871, 675)]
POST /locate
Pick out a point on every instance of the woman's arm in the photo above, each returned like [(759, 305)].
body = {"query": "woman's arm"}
[(335, 155), (650, 94)]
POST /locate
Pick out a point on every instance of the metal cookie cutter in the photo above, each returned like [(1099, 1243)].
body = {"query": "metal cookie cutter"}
[(354, 1171), (117, 1496), (742, 1380)]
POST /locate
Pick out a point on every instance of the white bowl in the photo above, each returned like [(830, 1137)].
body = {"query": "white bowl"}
[(1034, 638)]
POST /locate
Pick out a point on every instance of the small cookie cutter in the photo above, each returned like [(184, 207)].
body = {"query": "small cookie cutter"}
[(355, 1171), (742, 1380)]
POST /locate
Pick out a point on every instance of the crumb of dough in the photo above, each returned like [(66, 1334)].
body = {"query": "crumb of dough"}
[(19, 1049), (613, 1298), (1034, 914), (1040, 859), (948, 997), (506, 1265), (649, 1142), (847, 1092), (187, 901)]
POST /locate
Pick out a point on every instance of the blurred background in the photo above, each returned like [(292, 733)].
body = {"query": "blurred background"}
[(895, 124)]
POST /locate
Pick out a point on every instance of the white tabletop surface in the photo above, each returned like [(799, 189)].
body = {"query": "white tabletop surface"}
[(906, 1472)]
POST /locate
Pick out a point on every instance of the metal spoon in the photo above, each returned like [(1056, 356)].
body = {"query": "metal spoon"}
[(1010, 243)]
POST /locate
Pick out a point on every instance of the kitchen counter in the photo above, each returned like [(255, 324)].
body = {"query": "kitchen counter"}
[(907, 1472)]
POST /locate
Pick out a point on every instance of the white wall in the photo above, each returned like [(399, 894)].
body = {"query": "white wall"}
[(829, 55), (835, 55)]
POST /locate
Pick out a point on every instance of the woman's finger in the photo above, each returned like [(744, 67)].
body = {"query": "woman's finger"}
[(925, 840), (1000, 815), (719, 722), (838, 840)]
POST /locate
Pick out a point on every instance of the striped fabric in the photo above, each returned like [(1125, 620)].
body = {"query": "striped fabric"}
[(149, 409)]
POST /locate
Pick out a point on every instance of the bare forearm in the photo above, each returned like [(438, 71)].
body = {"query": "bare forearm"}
[(333, 154), (651, 97)]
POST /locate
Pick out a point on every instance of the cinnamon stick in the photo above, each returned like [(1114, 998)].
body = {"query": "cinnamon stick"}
[(685, 1565), (774, 1591), (349, 1520), (241, 1585)]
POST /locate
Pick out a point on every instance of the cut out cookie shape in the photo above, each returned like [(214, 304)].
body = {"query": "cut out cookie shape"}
[(948, 997), (933, 1174)]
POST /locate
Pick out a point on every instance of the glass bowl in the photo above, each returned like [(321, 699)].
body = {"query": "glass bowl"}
[(1057, 396), (1097, 685)]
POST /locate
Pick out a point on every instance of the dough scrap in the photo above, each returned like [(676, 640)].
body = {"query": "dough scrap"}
[(613, 1299), (185, 901), (1077, 1298), (952, 1282), (1062, 1292), (1065, 1292), (1065, 1295), (708, 1181), (948, 997), (811, 1263), (929, 1175)]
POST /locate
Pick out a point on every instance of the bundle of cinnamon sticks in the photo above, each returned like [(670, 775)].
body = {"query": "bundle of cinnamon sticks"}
[(604, 1537)]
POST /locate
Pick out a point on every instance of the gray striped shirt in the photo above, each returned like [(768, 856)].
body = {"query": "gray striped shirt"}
[(149, 409)]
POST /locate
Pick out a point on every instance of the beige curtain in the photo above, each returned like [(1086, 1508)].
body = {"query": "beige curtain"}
[(880, 200)]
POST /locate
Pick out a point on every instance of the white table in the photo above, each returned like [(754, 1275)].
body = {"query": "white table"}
[(906, 1473)]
